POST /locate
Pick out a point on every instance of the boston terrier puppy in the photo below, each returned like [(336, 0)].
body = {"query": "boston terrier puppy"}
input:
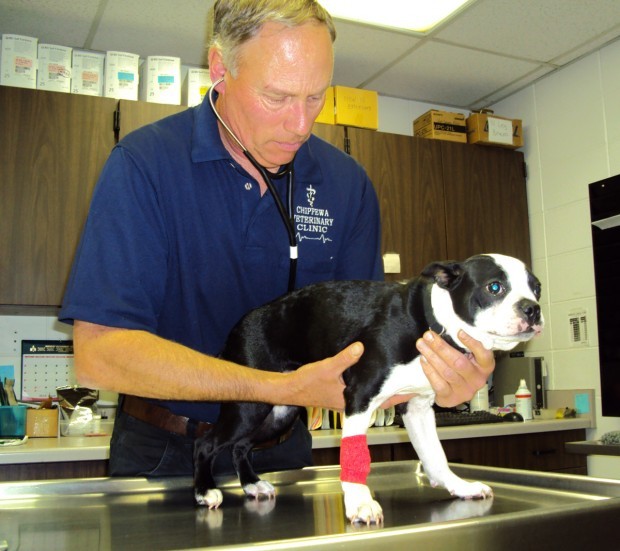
[(494, 298)]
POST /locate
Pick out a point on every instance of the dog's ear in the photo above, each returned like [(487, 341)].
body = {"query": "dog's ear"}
[(445, 274)]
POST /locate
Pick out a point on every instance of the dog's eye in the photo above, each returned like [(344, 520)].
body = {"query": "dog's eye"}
[(495, 288), (537, 291)]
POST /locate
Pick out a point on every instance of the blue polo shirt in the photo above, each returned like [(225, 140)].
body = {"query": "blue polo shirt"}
[(180, 243)]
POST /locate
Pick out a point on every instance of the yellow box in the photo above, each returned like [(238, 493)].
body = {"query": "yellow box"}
[(489, 129), (42, 423), (441, 125), (356, 107), (327, 114)]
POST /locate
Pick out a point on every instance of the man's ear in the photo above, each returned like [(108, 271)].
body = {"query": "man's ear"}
[(217, 69), (445, 274)]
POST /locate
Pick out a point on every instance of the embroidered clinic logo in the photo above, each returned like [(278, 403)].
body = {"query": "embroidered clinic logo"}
[(311, 222)]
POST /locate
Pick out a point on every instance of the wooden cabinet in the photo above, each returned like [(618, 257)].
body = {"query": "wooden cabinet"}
[(442, 200), (53, 147), (541, 451), (134, 114), (407, 174), (54, 470), (485, 201), (438, 200)]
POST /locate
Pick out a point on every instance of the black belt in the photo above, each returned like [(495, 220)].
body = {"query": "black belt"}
[(162, 418)]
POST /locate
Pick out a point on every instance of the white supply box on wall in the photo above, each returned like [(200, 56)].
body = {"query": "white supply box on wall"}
[(54, 68), (87, 75), (121, 75), (161, 80), (18, 61), (196, 84)]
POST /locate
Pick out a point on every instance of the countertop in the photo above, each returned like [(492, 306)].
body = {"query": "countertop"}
[(528, 510), (592, 447), (90, 448)]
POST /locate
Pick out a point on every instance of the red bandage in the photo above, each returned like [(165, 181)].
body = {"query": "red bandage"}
[(354, 459)]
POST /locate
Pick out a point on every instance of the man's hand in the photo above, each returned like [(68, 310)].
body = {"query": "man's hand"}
[(320, 384), (454, 376)]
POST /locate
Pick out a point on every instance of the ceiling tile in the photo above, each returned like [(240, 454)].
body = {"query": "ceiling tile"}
[(361, 51), (445, 75), (458, 65), (509, 89), (61, 22), (155, 27), (534, 29)]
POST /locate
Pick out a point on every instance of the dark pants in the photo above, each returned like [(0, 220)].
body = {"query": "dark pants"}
[(140, 449)]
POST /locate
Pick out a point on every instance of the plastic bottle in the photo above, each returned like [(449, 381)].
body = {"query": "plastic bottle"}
[(480, 401), (523, 401)]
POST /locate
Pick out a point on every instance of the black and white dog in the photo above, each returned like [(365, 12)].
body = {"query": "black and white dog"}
[(494, 298)]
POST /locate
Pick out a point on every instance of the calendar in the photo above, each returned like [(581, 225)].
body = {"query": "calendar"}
[(46, 365)]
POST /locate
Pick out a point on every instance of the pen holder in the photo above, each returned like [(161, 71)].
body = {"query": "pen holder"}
[(12, 421)]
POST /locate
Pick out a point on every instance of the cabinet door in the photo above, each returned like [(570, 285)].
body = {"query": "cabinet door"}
[(330, 133), (53, 147), (134, 114), (542, 451), (407, 175), (486, 201)]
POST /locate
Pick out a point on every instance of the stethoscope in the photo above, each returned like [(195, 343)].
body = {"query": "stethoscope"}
[(268, 177)]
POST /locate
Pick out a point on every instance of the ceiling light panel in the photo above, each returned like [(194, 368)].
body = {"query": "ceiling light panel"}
[(410, 15)]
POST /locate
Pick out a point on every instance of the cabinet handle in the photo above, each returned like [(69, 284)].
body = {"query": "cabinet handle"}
[(544, 452)]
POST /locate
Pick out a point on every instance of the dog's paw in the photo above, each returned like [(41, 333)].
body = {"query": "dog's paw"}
[(261, 489), (471, 490), (260, 507), (359, 504), (212, 499)]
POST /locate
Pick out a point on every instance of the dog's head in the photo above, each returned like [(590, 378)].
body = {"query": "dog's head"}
[(493, 297)]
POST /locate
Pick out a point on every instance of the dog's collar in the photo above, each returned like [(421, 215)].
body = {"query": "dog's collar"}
[(436, 327)]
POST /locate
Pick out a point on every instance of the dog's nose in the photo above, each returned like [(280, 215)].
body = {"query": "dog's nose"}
[(530, 311)]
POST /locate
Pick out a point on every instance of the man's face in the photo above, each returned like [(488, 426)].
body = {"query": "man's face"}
[(282, 76)]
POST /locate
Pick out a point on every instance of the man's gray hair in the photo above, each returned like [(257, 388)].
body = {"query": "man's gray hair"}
[(233, 22)]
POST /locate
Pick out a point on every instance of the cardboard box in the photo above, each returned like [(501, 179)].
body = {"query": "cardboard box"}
[(18, 61), (87, 76), (196, 85), (489, 129), (42, 423), (441, 125), (54, 68), (160, 80), (328, 113), (121, 75), (356, 107)]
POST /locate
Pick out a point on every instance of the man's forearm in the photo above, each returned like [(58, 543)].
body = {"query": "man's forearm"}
[(137, 362)]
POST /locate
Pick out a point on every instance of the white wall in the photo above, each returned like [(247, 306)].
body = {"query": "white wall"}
[(571, 123), (572, 138)]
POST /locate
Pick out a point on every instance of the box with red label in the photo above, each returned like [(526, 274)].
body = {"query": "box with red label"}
[(54, 68), (18, 61)]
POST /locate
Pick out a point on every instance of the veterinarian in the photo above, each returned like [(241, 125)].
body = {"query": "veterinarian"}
[(183, 238)]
